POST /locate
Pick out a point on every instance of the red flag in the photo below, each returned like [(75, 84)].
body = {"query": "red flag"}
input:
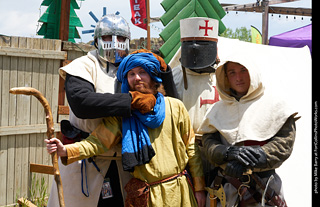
[(139, 13)]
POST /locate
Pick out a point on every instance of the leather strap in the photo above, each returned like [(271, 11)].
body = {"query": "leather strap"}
[(184, 172), (247, 195), (217, 183), (185, 81)]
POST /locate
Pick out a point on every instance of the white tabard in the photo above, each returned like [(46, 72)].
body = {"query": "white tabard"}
[(199, 96), (89, 68)]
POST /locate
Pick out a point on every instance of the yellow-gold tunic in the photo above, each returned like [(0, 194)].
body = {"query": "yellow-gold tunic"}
[(175, 148)]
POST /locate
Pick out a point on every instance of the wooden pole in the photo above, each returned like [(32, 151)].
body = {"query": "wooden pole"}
[(265, 22), (63, 36), (64, 20), (148, 25)]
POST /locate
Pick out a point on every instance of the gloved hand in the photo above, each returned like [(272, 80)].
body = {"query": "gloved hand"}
[(262, 160), (246, 155), (142, 102), (235, 169)]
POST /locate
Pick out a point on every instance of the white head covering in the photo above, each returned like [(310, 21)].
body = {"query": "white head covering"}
[(256, 116), (199, 28)]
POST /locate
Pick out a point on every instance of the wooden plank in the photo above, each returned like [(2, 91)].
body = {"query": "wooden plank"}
[(21, 52), (5, 40), (20, 120), (25, 202), (57, 45), (4, 121), (49, 95), (80, 47), (272, 9), (12, 190), (38, 168), (18, 191), (35, 105), (24, 107), (10, 170), (27, 138), (1, 69), (41, 115), (63, 110), (5, 87), (64, 20), (55, 90), (26, 129), (3, 169), (66, 62), (38, 151)]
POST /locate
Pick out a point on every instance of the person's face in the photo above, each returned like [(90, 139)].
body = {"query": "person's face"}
[(238, 77), (109, 38), (140, 80)]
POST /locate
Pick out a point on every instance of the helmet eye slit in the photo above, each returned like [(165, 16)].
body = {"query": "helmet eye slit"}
[(112, 48)]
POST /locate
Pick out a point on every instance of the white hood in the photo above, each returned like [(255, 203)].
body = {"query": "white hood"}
[(256, 116)]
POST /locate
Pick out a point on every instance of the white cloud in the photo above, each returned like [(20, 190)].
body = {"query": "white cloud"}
[(18, 23)]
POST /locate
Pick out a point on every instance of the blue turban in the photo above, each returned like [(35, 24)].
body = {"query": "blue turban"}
[(145, 60), (136, 145)]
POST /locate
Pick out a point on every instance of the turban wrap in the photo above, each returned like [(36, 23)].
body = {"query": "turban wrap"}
[(136, 145)]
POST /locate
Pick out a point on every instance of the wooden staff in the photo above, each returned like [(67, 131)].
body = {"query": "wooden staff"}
[(50, 133)]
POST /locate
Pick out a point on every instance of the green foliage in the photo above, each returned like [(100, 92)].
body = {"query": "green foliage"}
[(51, 20), (38, 193), (181, 9), (241, 33)]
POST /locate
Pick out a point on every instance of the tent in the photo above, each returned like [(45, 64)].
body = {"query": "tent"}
[(294, 38)]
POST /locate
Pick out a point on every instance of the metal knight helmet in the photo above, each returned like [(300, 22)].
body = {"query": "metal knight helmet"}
[(114, 25), (199, 38)]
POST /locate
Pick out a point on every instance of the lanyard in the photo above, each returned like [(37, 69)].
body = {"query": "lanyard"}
[(84, 165), (84, 174)]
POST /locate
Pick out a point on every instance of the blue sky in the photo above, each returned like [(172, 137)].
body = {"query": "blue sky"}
[(20, 17)]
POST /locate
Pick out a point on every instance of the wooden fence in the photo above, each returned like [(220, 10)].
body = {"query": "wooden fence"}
[(29, 62)]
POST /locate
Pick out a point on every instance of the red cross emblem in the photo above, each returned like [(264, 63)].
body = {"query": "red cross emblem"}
[(206, 28), (210, 101)]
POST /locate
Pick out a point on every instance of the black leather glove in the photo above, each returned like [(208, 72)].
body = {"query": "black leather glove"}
[(246, 155), (219, 154), (262, 160), (252, 156), (235, 169)]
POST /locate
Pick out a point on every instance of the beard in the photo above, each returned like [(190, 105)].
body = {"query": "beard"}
[(144, 87)]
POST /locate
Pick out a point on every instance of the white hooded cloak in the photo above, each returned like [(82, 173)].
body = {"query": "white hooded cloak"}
[(257, 116)]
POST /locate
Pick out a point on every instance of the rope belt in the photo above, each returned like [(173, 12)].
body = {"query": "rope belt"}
[(184, 172)]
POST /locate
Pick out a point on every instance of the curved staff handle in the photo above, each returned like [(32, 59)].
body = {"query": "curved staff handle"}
[(50, 133)]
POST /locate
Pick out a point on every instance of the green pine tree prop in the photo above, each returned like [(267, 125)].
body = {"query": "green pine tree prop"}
[(181, 9), (51, 20)]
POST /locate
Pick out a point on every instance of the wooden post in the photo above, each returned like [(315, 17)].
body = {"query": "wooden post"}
[(64, 20), (63, 36), (148, 25), (265, 22)]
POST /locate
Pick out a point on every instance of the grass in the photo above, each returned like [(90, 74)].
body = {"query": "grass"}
[(38, 193)]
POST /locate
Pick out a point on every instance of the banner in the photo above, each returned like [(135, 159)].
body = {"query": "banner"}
[(255, 35), (138, 13)]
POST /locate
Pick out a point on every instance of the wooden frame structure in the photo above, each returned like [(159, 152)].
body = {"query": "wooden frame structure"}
[(29, 62), (265, 8)]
